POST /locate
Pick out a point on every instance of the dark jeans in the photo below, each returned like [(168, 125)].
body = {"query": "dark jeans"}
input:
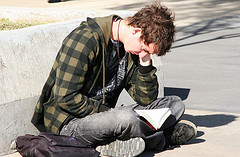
[(123, 123)]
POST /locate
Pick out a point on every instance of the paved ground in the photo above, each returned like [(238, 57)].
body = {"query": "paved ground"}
[(203, 67)]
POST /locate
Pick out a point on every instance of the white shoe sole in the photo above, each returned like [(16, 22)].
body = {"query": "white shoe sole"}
[(128, 148)]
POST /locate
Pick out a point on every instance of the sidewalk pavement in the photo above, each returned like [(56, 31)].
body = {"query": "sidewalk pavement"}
[(217, 136), (207, 59)]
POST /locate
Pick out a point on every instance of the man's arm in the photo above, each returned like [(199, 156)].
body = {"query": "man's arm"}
[(143, 85), (76, 54)]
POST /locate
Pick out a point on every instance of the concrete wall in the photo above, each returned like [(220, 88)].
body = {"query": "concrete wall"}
[(26, 57)]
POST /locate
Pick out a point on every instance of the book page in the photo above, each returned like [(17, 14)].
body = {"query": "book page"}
[(156, 117)]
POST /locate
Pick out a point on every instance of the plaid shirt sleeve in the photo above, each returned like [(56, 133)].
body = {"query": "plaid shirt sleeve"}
[(76, 54), (143, 88)]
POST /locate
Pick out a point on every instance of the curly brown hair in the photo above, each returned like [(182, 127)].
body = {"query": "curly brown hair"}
[(157, 24)]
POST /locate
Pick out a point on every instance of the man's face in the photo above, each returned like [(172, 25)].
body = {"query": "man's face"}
[(136, 46)]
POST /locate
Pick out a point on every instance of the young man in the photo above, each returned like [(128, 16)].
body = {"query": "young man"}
[(96, 62)]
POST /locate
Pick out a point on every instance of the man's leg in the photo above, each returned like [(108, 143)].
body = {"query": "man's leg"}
[(158, 140), (119, 126), (120, 123), (174, 103), (100, 128), (123, 123)]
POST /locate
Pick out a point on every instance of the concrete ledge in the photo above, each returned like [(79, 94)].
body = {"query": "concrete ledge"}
[(26, 57)]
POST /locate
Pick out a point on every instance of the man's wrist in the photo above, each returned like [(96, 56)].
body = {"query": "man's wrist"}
[(146, 60), (145, 69), (145, 63)]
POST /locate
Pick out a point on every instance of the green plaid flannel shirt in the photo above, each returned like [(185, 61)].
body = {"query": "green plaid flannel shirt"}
[(75, 71)]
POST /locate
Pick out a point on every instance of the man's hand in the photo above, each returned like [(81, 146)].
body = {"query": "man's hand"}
[(145, 58)]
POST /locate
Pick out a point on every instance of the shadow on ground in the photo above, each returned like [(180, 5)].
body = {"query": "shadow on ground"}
[(210, 121), (206, 27), (181, 92), (213, 120)]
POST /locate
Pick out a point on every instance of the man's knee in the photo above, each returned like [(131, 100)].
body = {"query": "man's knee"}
[(126, 114), (176, 106), (174, 103), (177, 102)]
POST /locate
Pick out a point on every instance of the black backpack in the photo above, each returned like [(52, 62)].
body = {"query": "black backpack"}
[(51, 145)]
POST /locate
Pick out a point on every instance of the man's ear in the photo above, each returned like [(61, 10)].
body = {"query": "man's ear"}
[(136, 30)]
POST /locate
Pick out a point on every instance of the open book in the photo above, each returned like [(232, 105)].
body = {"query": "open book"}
[(156, 117)]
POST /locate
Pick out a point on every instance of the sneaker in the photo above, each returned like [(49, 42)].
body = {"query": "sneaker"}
[(183, 132), (128, 148)]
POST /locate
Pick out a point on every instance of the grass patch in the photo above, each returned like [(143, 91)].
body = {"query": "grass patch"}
[(6, 24)]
